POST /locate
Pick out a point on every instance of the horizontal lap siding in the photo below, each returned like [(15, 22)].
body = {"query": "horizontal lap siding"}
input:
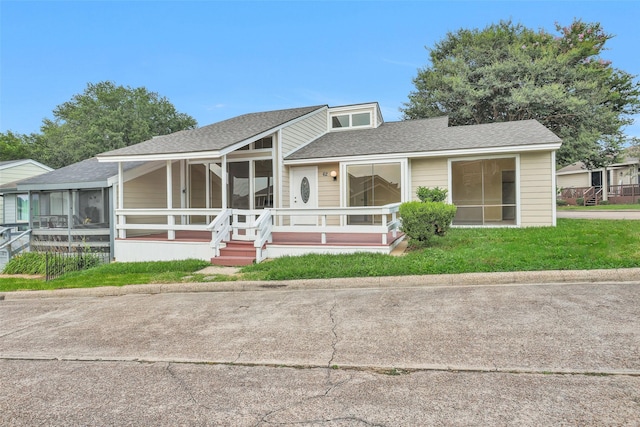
[(304, 131), (537, 189), (296, 136), (328, 189), (10, 208), (147, 191), (428, 173), (573, 180), (13, 174)]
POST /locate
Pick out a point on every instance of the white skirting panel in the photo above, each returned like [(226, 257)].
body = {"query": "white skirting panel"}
[(137, 250)]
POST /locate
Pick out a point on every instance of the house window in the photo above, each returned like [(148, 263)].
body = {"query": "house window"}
[(340, 121), (352, 120), (361, 119), (22, 208), (376, 184), (484, 191), (263, 143)]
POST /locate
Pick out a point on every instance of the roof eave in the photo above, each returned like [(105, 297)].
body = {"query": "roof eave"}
[(437, 153)]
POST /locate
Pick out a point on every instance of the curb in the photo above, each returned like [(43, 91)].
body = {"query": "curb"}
[(624, 275)]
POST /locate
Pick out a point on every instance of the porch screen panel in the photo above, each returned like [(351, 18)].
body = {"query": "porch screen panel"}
[(263, 184), (484, 191), (238, 185)]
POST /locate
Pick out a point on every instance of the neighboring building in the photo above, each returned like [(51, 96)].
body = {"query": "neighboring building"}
[(71, 207), (321, 179), (621, 181), (10, 172)]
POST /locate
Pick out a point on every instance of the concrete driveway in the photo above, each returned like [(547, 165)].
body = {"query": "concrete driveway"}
[(511, 354)]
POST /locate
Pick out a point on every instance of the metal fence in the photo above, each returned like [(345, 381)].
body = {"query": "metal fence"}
[(59, 263)]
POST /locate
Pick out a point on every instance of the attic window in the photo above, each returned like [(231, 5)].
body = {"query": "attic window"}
[(351, 120), (340, 121), (263, 143)]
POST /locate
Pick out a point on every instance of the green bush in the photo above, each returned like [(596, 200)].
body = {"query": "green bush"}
[(435, 194), (27, 263), (560, 202), (421, 221), (604, 202), (580, 201)]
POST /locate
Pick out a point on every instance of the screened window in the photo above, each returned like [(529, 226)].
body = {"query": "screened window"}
[(376, 184), (484, 191)]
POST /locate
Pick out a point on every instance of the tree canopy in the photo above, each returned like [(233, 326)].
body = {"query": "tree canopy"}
[(104, 117), (508, 72)]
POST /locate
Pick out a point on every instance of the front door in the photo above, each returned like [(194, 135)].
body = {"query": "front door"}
[(304, 193)]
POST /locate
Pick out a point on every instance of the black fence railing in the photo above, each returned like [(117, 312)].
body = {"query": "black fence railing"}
[(59, 263)]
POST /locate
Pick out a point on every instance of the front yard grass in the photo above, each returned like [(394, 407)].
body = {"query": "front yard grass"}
[(600, 207), (572, 245)]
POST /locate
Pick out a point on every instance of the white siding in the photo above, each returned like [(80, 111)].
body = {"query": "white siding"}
[(537, 189), (17, 173), (304, 131), (10, 208), (12, 174)]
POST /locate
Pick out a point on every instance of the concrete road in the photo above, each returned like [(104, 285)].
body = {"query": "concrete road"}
[(604, 214), (535, 354)]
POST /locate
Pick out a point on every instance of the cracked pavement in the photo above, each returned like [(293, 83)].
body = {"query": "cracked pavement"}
[(535, 354)]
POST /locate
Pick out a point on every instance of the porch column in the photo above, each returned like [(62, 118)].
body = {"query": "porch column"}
[(183, 190), (605, 184), (225, 178), (122, 234), (207, 190), (171, 220)]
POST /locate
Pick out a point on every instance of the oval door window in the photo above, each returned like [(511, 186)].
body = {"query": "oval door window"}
[(305, 190)]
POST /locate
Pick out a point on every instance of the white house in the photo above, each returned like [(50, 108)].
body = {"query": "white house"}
[(321, 179)]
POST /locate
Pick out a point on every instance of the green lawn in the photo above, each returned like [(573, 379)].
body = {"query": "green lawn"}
[(599, 208), (572, 245)]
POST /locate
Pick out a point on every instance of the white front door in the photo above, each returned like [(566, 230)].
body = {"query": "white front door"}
[(304, 193)]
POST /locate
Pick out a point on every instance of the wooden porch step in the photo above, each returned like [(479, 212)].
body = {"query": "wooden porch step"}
[(236, 253), (233, 261)]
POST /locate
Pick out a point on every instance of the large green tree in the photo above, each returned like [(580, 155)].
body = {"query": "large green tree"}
[(508, 72), (104, 117), (14, 146)]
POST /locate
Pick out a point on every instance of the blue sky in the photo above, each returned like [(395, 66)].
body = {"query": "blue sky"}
[(214, 60)]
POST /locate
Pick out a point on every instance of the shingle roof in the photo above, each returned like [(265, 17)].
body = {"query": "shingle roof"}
[(425, 135), (86, 171), (216, 136)]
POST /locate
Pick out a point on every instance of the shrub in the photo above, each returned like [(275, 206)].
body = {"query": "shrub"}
[(421, 221), (560, 202), (604, 202), (435, 194), (27, 263), (580, 201)]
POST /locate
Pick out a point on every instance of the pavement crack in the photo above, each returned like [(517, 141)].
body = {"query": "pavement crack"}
[(184, 386), (334, 340)]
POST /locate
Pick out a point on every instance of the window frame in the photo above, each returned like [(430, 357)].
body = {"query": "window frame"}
[(518, 203), (404, 180), (349, 115)]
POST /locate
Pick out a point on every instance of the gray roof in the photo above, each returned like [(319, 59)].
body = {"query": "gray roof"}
[(425, 135), (86, 173), (216, 136)]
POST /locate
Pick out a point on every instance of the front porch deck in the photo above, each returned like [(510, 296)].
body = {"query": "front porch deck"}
[(284, 238)]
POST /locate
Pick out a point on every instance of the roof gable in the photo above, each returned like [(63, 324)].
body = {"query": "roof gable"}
[(214, 137)]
